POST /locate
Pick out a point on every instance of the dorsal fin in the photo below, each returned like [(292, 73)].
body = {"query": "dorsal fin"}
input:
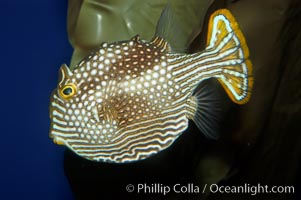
[(136, 38), (160, 43), (168, 30)]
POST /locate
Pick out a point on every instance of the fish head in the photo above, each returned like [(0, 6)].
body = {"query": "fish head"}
[(80, 109)]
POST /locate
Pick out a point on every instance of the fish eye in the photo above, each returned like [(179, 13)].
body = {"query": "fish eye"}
[(68, 91)]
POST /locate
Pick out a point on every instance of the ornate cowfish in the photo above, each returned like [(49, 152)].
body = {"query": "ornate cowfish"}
[(132, 99)]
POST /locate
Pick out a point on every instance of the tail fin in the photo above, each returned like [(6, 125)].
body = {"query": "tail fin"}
[(226, 38)]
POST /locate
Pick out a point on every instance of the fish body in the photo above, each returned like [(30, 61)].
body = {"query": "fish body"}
[(132, 99)]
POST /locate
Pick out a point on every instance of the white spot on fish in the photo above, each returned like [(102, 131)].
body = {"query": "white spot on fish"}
[(103, 83), (107, 61), (102, 51), (93, 72)]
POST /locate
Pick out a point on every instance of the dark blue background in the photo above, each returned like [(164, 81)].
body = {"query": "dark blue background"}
[(34, 44)]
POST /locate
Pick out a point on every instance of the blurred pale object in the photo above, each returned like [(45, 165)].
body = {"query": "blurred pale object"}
[(95, 21)]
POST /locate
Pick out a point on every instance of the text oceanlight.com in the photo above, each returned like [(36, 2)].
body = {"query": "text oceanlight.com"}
[(190, 188)]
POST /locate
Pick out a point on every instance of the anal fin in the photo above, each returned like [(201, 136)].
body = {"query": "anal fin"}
[(208, 105)]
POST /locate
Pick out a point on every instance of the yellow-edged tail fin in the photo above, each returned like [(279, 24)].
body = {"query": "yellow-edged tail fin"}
[(225, 36)]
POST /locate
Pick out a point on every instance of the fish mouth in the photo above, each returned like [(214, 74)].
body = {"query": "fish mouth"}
[(58, 140)]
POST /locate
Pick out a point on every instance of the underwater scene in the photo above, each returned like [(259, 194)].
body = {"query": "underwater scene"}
[(151, 99)]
